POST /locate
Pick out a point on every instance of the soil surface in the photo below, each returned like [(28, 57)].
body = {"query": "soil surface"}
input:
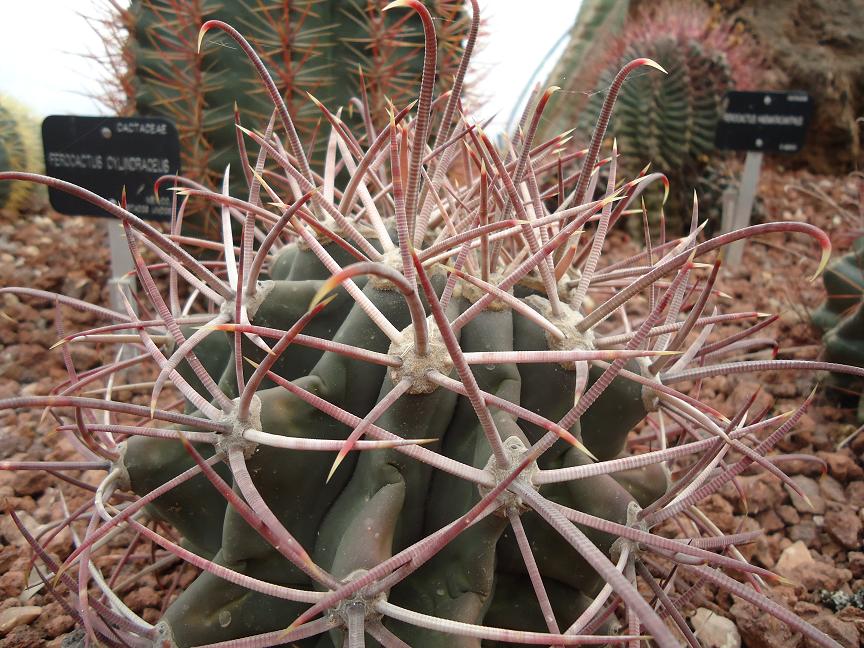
[(816, 546)]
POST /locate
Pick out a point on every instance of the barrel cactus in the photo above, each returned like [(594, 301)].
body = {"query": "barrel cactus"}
[(20, 149), (404, 410), (309, 46)]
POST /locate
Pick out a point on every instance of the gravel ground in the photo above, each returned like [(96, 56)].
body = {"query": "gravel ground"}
[(818, 549)]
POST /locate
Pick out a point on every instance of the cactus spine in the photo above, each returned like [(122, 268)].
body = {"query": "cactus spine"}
[(597, 23)]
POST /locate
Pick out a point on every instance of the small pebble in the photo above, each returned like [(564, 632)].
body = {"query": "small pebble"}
[(17, 616)]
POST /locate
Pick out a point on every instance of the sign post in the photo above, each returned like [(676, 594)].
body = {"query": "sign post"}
[(744, 203), (122, 266), (759, 123), (106, 155)]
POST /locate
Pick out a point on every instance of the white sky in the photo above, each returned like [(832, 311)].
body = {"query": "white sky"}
[(40, 62), (42, 43)]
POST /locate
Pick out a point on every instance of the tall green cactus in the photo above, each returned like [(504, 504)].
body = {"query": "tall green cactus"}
[(309, 46), (20, 148)]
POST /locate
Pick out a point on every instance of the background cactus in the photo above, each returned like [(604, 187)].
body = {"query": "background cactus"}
[(842, 317), (20, 149), (668, 121), (441, 340), (844, 288), (313, 46)]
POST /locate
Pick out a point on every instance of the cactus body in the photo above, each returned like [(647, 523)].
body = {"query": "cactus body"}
[(385, 501)]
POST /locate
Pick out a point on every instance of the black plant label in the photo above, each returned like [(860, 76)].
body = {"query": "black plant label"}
[(771, 122), (106, 154)]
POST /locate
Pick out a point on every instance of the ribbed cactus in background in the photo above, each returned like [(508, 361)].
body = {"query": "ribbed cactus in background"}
[(314, 46), (668, 121), (20, 150), (409, 412)]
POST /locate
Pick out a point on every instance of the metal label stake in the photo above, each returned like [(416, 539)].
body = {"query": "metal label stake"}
[(122, 278), (122, 267), (744, 205)]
